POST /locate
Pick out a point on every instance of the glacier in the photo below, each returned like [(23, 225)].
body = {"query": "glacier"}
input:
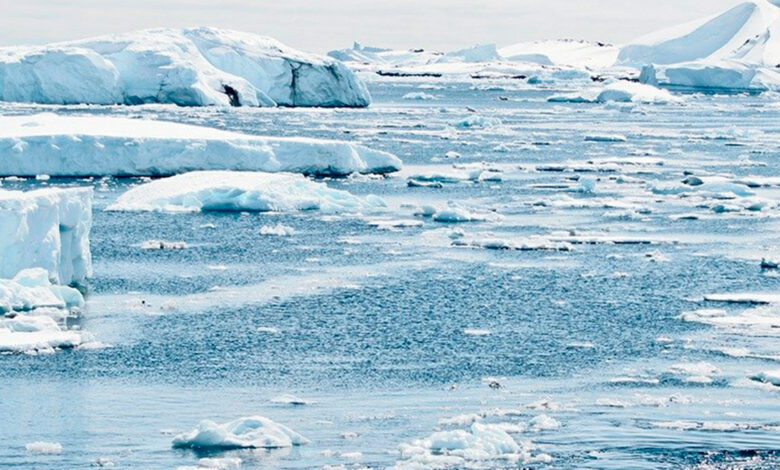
[(58, 145), (188, 67), (48, 229), (240, 191)]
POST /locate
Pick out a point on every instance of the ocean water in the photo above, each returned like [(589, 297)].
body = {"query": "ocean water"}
[(389, 324)]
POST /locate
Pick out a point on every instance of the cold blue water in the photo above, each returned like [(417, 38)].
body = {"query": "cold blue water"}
[(392, 326)]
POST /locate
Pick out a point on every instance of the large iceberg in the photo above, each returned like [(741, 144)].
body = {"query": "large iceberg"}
[(240, 191), (48, 229), (250, 432), (96, 145), (188, 67), (736, 49)]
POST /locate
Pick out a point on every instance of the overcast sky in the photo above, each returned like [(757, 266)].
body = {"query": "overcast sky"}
[(322, 25)]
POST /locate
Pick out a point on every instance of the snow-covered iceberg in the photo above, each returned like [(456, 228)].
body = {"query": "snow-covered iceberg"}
[(188, 67), (59, 145), (561, 52), (736, 49), (240, 191), (249, 432), (48, 229)]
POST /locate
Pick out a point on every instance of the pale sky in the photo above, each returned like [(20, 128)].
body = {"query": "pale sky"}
[(322, 25)]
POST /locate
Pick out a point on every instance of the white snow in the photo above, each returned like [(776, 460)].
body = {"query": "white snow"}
[(562, 52), (49, 229), (247, 432), (44, 448), (189, 67), (99, 145), (240, 191)]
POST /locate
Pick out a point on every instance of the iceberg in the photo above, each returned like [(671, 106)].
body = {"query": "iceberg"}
[(240, 191), (620, 91), (47, 229), (562, 52), (188, 67), (737, 49), (58, 145), (249, 432)]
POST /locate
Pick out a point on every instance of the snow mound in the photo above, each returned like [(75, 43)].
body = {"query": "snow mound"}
[(768, 377), (49, 229), (248, 432), (620, 91), (240, 191), (96, 145), (188, 67), (737, 49)]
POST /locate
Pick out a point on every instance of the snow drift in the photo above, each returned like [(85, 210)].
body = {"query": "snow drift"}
[(250, 432), (49, 229), (188, 67), (240, 191), (736, 49), (96, 146)]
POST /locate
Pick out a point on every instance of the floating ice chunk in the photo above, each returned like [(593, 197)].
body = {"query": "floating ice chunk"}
[(249, 432), (605, 138), (544, 423), (188, 67), (768, 377), (461, 420), (240, 191), (279, 230), (458, 214), (44, 448), (419, 96), (699, 372), (476, 120), (532, 243), (479, 444), (223, 463), (288, 399), (49, 229), (476, 331), (744, 298), (99, 145)]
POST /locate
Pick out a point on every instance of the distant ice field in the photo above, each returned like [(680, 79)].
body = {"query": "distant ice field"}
[(539, 268)]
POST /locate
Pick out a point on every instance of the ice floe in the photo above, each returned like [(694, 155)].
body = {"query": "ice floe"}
[(97, 145), (240, 191), (248, 432), (44, 448), (480, 444), (188, 67), (49, 229), (278, 230)]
